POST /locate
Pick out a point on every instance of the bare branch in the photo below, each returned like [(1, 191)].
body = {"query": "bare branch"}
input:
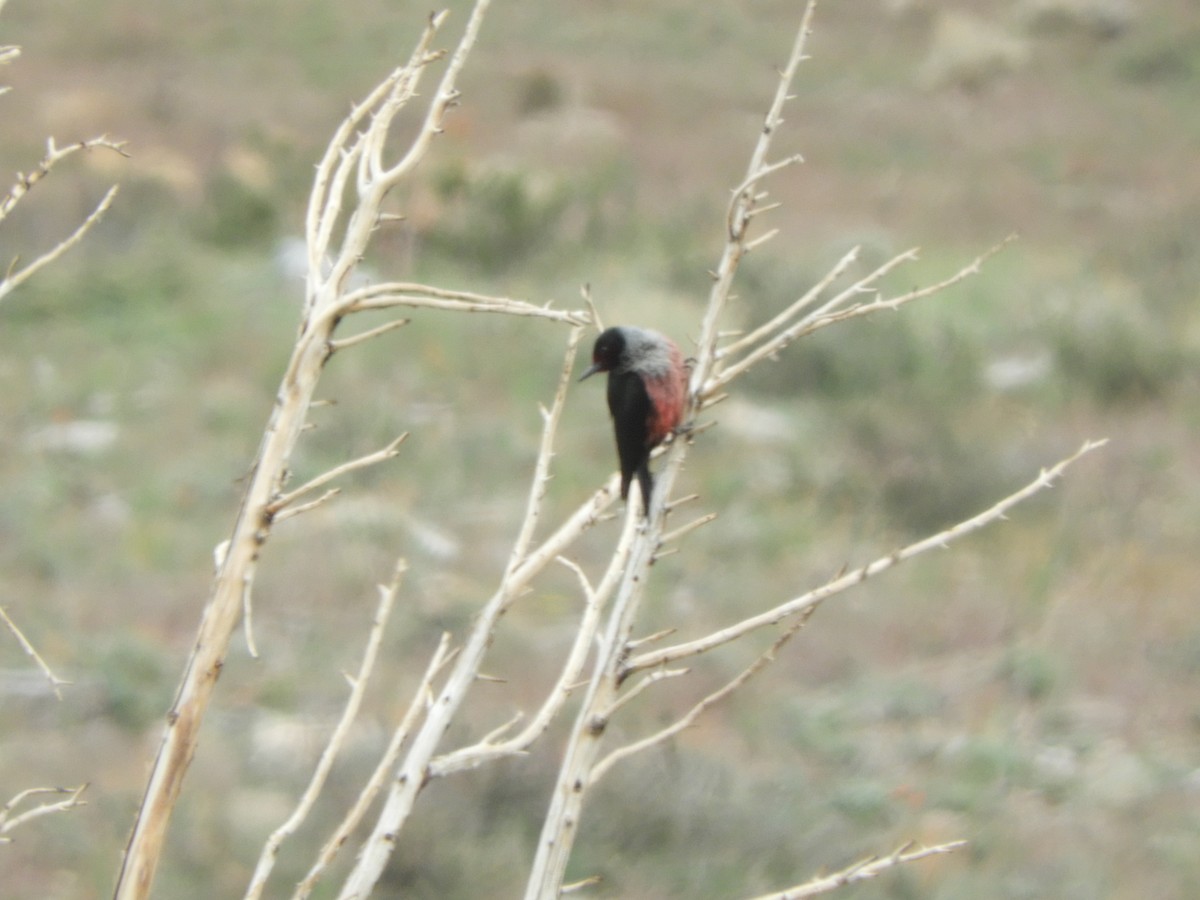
[(568, 679), (54, 155), (291, 511), (830, 312), (388, 295), (389, 452), (18, 275), (583, 884), (358, 685), (10, 822), (347, 342), (668, 655), (864, 870), (31, 652), (742, 206), (248, 610), (417, 706), (323, 309), (688, 528), (561, 823), (788, 314), (642, 684), (586, 291), (541, 476), (340, 161), (690, 717)]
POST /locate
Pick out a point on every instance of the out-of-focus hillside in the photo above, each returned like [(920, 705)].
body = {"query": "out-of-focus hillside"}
[(1034, 689)]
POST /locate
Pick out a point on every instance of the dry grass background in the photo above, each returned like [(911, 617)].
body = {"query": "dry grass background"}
[(1033, 690)]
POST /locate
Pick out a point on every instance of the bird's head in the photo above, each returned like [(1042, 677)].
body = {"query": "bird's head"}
[(607, 352)]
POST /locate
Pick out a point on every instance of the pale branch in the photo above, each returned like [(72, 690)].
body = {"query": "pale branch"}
[(631, 693), (10, 822), (634, 643), (691, 526), (829, 313), (496, 733), (31, 652), (293, 511), (582, 884), (418, 706), (587, 515), (541, 472), (748, 246), (560, 826), (675, 502), (374, 179), (586, 292), (758, 334), (18, 275), (364, 336), (735, 224), (414, 769), (762, 337), (689, 718), (447, 96), (388, 295), (668, 655), (54, 155), (864, 870), (568, 679), (340, 161), (287, 421), (358, 686), (741, 211), (280, 503), (248, 609)]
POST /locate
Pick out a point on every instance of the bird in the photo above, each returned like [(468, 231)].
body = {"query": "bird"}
[(647, 393)]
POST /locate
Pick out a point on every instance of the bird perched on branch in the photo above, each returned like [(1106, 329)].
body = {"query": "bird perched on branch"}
[(647, 392)]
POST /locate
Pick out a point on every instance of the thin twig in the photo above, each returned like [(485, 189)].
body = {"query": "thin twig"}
[(568, 679), (560, 826), (389, 295), (19, 275), (292, 511), (358, 686), (691, 526), (541, 471), (31, 652), (354, 339), (416, 707), (668, 655), (389, 452), (863, 870), (781, 319), (689, 718), (10, 822), (828, 314)]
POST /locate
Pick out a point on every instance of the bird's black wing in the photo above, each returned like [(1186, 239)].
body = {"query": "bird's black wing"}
[(630, 407)]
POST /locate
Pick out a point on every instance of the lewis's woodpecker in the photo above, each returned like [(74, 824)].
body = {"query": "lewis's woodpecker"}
[(647, 392)]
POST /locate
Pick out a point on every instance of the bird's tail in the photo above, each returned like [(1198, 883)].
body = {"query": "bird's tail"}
[(646, 480)]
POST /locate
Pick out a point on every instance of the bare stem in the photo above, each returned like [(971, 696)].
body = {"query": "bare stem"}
[(358, 685), (864, 870), (10, 822), (669, 655), (417, 706), (31, 652)]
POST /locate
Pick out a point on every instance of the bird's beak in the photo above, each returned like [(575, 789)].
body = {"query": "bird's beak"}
[(591, 370)]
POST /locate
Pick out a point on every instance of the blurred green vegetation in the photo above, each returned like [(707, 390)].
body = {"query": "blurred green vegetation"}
[(1031, 690)]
